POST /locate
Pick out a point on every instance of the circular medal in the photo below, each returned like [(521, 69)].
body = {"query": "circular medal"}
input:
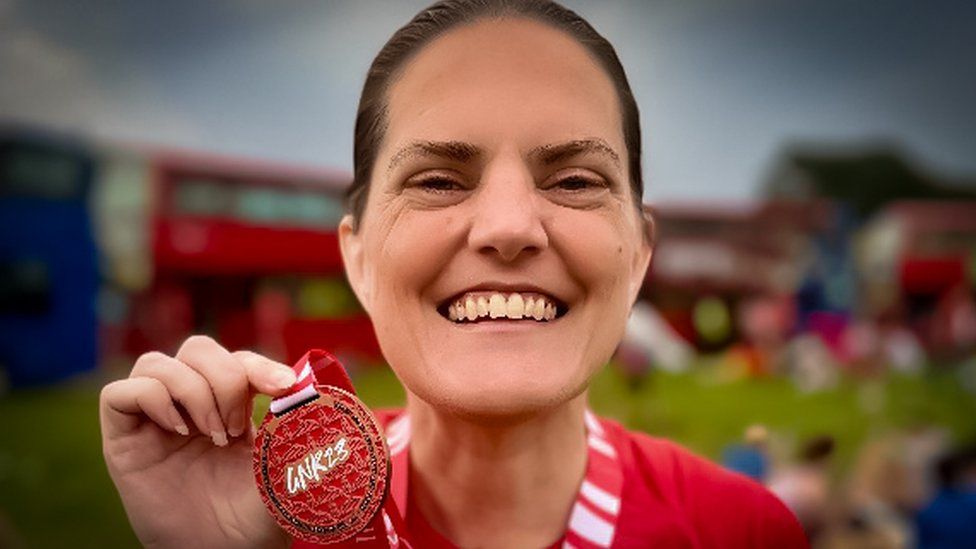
[(322, 468)]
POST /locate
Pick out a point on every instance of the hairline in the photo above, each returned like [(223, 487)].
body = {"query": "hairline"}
[(383, 120)]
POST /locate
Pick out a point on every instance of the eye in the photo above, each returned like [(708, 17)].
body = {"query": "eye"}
[(435, 188), (437, 184), (577, 183), (577, 188)]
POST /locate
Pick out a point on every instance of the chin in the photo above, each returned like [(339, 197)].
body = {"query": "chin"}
[(483, 393)]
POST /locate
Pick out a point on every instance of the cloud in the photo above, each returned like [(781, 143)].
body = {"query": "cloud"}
[(44, 83), (50, 85), (720, 83)]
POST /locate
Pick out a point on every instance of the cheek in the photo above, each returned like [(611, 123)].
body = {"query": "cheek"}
[(597, 249), (407, 254)]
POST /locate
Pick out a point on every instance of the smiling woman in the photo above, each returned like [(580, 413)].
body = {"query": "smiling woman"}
[(496, 239), (503, 180)]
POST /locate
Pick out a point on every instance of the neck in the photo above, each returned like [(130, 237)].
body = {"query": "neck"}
[(485, 484)]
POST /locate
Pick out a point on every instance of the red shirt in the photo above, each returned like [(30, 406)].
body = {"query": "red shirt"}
[(652, 493)]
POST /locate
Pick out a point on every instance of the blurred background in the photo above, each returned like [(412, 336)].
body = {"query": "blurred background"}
[(809, 317)]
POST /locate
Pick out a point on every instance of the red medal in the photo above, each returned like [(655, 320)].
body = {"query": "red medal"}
[(321, 463)]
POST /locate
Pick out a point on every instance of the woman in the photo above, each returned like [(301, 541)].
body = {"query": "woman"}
[(497, 241)]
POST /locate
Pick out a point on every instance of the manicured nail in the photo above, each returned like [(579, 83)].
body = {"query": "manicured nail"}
[(178, 424), (235, 426), (219, 438), (217, 433)]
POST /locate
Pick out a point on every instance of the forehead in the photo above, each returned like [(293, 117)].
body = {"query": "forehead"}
[(503, 78)]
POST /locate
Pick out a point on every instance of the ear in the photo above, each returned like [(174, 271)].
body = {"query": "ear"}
[(351, 248), (642, 256)]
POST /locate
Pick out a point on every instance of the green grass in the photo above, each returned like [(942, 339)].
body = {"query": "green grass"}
[(54, 488), (55, 491), (706, 415)]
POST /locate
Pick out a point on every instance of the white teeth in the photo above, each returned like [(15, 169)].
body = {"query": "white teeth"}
[(539, 310), (515, 306), (497, 307)]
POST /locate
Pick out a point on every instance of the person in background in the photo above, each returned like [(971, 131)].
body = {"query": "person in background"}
[(949, 520), (805, 486), (751, 456)]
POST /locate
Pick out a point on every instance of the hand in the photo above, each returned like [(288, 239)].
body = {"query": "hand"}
[(184, 473)]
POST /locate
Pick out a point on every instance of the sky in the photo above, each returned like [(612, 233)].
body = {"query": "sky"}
[(723, 86)]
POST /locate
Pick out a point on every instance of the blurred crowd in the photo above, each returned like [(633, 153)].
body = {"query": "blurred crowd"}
[(907, 489), (853, 265)]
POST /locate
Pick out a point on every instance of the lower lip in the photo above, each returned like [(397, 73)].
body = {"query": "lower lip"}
[(507, 325)]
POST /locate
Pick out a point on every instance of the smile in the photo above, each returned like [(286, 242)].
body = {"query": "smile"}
[(488, 305)]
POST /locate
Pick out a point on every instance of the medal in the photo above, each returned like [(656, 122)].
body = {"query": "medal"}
[(321, 463)]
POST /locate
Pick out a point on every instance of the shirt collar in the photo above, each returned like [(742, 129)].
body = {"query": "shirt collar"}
[(593, 519)]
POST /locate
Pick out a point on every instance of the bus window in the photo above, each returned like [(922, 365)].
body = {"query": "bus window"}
[(25, 288), (287, 208), (261, 206), (37, 172), (203, 197), (316, 210)]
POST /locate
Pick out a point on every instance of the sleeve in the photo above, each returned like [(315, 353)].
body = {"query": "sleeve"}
[(723, 509), (732, 510), (778, 527)]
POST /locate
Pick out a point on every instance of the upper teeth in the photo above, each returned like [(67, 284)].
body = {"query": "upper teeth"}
[(474, 305)]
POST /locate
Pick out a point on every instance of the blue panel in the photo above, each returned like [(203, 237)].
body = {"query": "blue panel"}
[(48, 324)]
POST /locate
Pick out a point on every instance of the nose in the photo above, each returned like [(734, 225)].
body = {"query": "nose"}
[(506, 223)]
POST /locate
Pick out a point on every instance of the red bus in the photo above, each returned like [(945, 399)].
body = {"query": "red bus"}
[(242, 250)]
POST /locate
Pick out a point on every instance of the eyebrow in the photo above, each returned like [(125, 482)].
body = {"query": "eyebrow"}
[(556, 152), (458, 151)]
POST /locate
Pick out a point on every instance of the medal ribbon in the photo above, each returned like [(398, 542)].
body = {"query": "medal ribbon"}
[(593, 519), (318, 368)]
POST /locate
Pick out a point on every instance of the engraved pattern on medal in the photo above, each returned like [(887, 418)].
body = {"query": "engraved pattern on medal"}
[(329, 472)]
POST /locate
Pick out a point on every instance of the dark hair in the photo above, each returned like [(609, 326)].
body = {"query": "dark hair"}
[(371, 118), (952, 468), (817, 449)]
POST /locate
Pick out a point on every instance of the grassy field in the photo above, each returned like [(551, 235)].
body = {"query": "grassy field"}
[(55, 492)]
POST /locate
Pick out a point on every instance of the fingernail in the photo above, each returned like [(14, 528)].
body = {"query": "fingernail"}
[(217, 433), (283, 378), (178, 424), (219, 438), (236, 423)]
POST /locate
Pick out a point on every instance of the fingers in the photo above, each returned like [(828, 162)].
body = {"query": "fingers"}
[(188, 387), (225, 376), (213, 386), (265, 375), (123, 399), (232, 377)]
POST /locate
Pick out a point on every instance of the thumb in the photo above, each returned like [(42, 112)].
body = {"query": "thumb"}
[(265, 375)]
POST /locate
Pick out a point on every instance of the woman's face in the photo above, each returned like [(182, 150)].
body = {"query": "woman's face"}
[(500, 191)]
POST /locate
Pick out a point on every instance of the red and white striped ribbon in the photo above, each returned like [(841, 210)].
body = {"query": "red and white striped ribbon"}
[(301, 392), (593, 520)]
